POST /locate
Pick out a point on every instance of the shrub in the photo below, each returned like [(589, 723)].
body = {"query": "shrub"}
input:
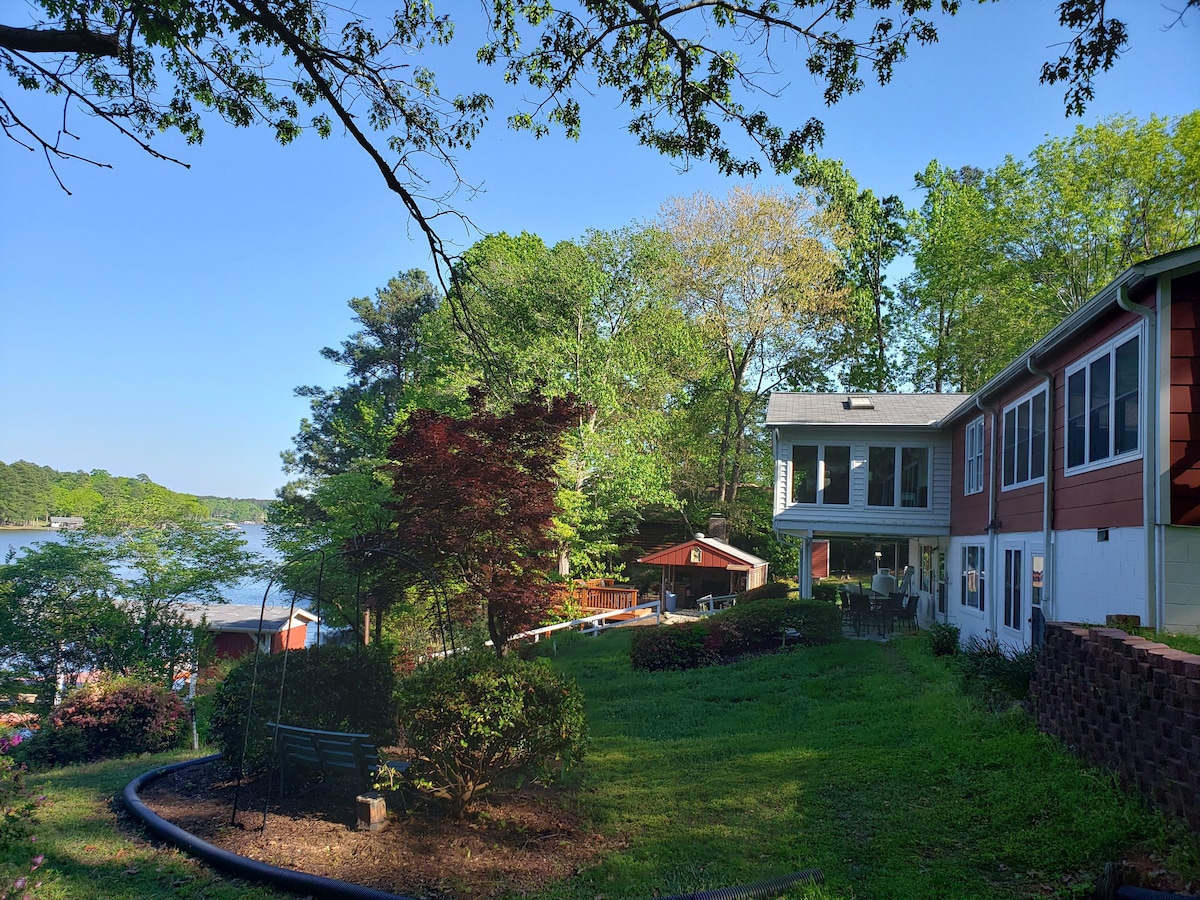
[(670, 647), (995, 675), (111, 718), (944, 638), (761, 624), (770, 590), (17, 804), (474, 717), (825, 591), (750, 628), (332, 688)]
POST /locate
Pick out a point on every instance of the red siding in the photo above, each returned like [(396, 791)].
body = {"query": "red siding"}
[(232, 645), (289, 639), (1111, 496), (968, 512), (1185, 400), (820, 560)]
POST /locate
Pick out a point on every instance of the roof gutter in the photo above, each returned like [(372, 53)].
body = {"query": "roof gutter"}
[(1148, 426)]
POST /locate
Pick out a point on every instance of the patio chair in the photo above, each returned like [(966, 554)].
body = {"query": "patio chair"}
[(863, 614), (844, 605), (909, 612), (893, 608)]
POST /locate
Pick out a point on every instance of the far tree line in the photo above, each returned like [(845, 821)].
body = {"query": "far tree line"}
[(30, 494), (668, 337)]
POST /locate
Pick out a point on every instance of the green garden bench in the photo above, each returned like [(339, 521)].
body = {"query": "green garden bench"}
[(328, 752)]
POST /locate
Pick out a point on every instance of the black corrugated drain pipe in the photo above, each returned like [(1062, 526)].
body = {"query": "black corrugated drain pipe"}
[(250, 869), (768, 888), (318, 886)]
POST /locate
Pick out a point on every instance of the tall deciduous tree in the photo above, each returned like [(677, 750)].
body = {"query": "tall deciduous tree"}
[(1001, 256), (870, 235), (474, 499), (758, 274), (687, 71)]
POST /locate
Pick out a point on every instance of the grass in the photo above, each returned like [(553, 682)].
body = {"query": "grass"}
[(862, 759), (87, 856), (1188, 643)]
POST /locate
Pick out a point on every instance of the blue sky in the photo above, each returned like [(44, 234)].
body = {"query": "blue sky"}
[(157, 319)]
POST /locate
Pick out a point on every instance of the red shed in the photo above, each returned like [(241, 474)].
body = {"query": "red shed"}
[(237, 627), (704, 566)]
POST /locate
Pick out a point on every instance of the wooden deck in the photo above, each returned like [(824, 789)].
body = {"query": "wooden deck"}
[(598, 595)]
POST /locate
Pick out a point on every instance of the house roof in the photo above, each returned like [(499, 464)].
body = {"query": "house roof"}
[(910, 410), (244, 618), (1064, 332), (728, 553)]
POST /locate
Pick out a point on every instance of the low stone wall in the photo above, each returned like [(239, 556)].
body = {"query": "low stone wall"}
[(1127, 704)]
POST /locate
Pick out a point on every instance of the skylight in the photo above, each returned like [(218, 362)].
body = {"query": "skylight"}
[(859, 403)]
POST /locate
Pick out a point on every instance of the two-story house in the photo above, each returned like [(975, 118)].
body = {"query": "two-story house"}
[(1070, 482)]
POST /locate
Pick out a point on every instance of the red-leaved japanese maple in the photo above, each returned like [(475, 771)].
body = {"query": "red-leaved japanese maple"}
[(473, 498)]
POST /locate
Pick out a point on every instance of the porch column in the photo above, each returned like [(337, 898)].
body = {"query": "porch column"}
[(804, 574)]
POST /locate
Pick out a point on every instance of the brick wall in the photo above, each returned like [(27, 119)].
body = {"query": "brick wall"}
[(1126, 704)]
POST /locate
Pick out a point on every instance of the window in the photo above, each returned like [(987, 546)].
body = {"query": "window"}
[(1012, 589), (1102, 405), (1025, 441), (821, 474), (911, 490), (973, 478), (972, 577)]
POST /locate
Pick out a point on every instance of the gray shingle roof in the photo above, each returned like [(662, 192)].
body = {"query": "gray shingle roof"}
[(887, 409), (237, 617)]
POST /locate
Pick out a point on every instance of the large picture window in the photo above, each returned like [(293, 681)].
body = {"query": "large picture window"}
[(1025, 440), (1102, 405), (910, 489), (973, 477), (821, 474), (972, 577)]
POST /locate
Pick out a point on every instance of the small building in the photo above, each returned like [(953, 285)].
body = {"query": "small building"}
[(69, 522), (238, 628), (706, 566)]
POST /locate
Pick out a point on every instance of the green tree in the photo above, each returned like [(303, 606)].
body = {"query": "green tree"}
[(870, 234), (687, 71), (757, 274), (58, 617), (1002, 256)]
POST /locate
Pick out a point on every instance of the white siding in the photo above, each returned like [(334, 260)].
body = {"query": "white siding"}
[(1181, 579), (857, 517)]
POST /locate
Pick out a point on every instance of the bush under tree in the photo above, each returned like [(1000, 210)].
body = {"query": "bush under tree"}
[(109, 719), (473, 718), (330, 688)]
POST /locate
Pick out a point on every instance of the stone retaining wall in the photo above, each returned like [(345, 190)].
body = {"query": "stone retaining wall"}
[(1127, 704)]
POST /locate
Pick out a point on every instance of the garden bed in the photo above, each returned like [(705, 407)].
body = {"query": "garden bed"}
[(513, 841)]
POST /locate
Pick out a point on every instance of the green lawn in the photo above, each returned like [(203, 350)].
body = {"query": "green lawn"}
[(861, 759)]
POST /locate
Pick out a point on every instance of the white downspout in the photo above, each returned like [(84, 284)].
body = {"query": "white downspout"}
[(1149, 418), (989, 565), (1048, 567)]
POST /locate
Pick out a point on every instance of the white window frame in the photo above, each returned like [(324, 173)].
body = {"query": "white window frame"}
[(898, 476), (820, 475), (1084, 364), (980, 591), (973, 469), (1015, 406)]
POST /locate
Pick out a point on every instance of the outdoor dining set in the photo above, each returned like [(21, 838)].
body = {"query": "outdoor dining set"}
[(863, 608)]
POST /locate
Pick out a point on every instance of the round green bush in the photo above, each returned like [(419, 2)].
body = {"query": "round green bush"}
[(111, 718), (769, 591), (474, 717), (331, 688)]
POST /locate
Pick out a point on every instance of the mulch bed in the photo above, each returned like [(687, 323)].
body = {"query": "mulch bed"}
[(512, 841)]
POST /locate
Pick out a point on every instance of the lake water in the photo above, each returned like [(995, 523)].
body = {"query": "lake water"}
[(249, 591)]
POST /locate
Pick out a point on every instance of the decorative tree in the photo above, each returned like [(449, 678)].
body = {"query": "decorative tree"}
[(474, 499)]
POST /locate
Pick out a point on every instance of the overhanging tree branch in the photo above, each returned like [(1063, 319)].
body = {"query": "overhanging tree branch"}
[(47, 40)]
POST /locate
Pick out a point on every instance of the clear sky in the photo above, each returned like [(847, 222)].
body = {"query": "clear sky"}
[(157, 319)]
